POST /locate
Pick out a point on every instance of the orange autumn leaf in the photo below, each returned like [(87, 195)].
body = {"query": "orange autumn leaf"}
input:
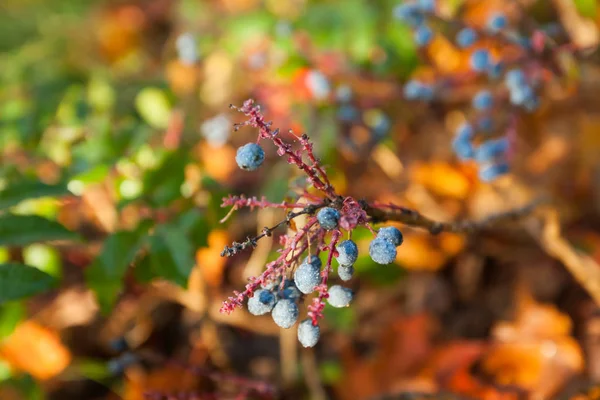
[(209, 258), (37, 350), (164, 380), (442, 179), (182, 78), (218, 161)]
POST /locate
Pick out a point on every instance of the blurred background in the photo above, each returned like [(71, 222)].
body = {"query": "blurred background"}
[(115, 126)]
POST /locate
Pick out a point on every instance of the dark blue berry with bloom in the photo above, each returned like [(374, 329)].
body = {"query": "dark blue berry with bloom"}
[(490, 172), (466, 37), (382, 251), (345, 272), (483, 100), (308, 334), (497, 22), (261, 303), (409, 13), (491, 149), (461, 144), (480, 60), (328, 218), (339, 296), (423, 35), (285, 313), (415, 90), (250, 156), (307, 277), (391, 234), (515, 78), (347, 252)]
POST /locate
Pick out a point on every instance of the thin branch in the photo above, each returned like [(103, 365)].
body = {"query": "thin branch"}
[(407, 216)]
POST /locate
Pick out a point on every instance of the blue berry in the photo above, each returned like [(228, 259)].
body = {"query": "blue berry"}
[(345, 272), (515, 78), (261, 303), (485, 124), (347, 113), (409, 13), (423, 35), (483, 100), (382, 251), (250, 156), (480, 60), (426, 5), (348, 252), (466, 37), (496, 22), (290, 290), (493, 171), (328, 218), (339, 296), (524, 96), (391, 234), (308, 334), (495, 70), (314, 261), (307, 277), (491, 149), (285, 313), (415, 90), (465, 132), (463, 148)]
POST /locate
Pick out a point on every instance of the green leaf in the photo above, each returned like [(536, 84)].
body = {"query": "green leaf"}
[(23, 190), (154, 107), (171, 254), (10, 315), (105, 275), (19, 230), (18, 281)]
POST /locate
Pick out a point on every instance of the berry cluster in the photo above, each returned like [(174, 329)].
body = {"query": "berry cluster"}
[(511, 63), (277, 290)]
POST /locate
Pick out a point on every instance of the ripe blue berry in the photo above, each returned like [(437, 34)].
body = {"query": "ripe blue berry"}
[(466, 37), (391, 234), (313, 260), (339, 296), (308, 334), (382, 251), (493, 171), (497, 22), (426, 5), (409, 13), (285, 313), (290, 290), (345, 272), (415, 90), (250, 156), (491, 149), (423, 35), (515, 78), (463, 149), (480, 60), (261, 303), (483, 100), (465, 132), (328, 218), (348, 252), (307, 277)]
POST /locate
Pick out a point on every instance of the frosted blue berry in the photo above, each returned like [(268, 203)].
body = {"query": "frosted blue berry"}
[(392, 234), (463, 148), (480, 60), (426, 5), (496, 22), (495, 70), (409, 13), (465, 132), (382, 251), (261, 303), (328, 218), (491, 149), (415, 90), (524, 96), (493, 171), (466, 38), (285, 313), (348, 252), (290, 290), (339, 296), (483, 100), (307, 277), (313, 260), (423, 35), (308, 334), (250, 156), (345, 272), (515, 78)]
